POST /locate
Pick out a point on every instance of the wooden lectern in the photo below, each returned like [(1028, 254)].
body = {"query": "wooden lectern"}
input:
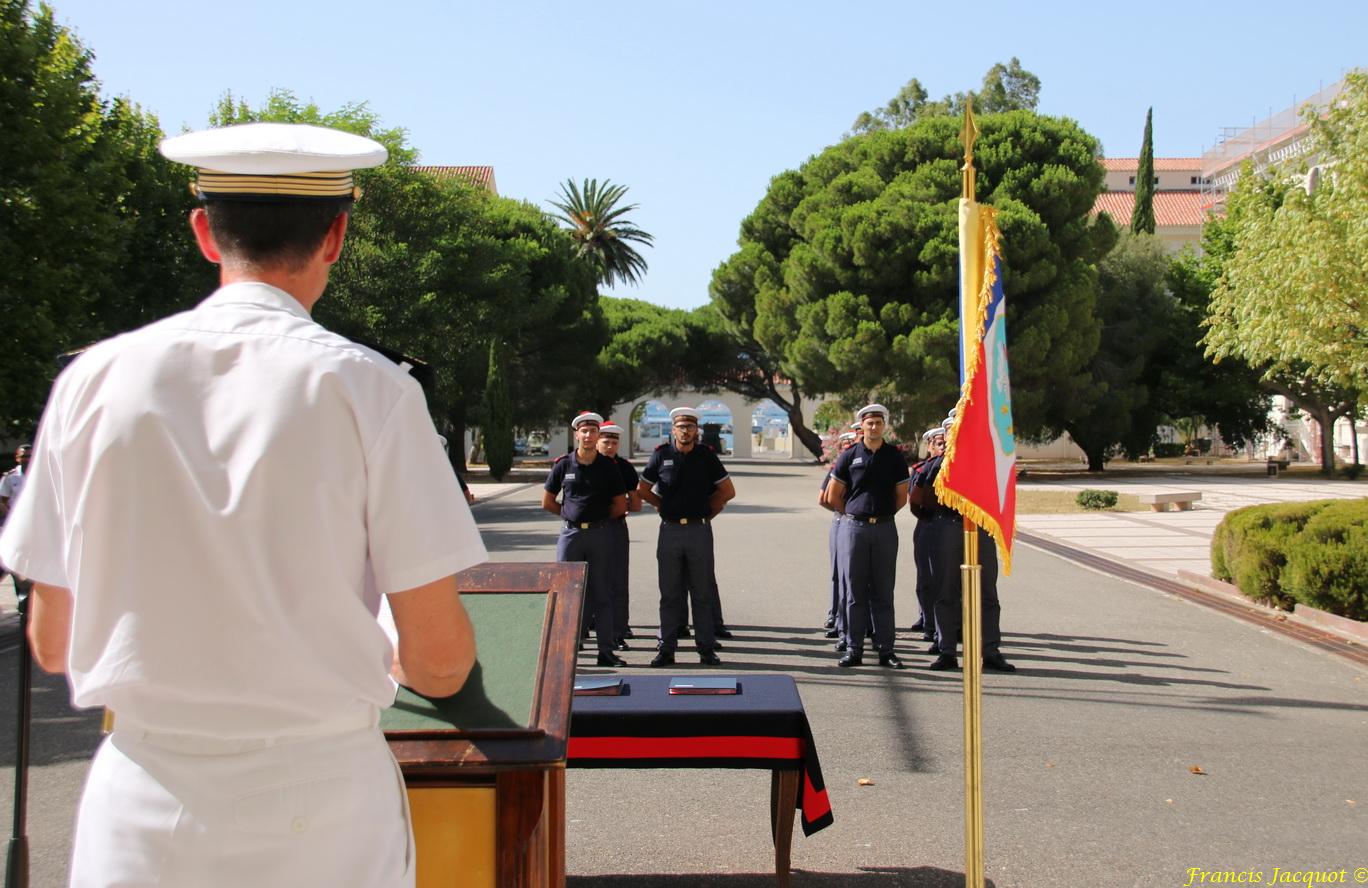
[(485, 769)]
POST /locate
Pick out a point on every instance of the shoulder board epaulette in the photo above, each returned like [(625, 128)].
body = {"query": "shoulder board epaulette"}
[(561, 457), (662, 446)]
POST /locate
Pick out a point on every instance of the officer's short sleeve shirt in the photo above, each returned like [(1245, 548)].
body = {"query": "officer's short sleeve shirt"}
[(226, 493), (871, 479), (588, 488)]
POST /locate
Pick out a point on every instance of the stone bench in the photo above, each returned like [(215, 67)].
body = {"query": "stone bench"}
[(1182, 500)]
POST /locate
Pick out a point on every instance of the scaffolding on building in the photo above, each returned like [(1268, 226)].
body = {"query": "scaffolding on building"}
[(1275, 140)]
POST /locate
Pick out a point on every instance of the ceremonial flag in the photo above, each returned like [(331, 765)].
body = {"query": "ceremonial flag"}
[(978, 476)]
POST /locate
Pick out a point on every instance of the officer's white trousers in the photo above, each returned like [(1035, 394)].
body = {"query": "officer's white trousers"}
[(191, 813)]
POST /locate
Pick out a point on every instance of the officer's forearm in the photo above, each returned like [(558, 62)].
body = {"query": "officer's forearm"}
[(549, 503), (49, 630), (648, 495)]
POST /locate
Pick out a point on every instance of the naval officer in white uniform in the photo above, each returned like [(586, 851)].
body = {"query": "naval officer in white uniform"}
[(216, 503)]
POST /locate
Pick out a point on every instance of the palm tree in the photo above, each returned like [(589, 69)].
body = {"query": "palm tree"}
[(598, 226)]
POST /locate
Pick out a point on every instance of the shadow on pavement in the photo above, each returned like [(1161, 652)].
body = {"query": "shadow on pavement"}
[(57, 733), (892, 877)]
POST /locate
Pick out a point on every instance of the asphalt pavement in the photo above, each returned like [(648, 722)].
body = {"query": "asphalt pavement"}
[(1145, 740)]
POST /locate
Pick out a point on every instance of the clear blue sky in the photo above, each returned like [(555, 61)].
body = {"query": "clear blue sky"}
[(696, 106)]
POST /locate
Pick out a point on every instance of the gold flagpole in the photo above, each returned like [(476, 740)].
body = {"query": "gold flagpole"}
[(970, 570)]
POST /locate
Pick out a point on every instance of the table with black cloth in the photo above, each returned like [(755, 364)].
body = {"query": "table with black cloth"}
[(762, 726)]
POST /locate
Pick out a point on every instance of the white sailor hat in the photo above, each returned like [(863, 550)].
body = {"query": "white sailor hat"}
[(274, 161), (610, 429), (690, 412), (855, 426), (869, 409), (933, 432), (586, 416), (846, 436)]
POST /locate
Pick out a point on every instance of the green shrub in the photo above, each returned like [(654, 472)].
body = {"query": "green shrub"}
[(1096, 499), (1328, 566), (1315, 553), (1162, 450)]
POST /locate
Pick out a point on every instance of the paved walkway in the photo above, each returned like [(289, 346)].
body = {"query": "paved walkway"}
[(1164, 543)]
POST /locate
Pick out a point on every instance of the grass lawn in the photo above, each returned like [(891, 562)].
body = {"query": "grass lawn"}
[(1059, 502)]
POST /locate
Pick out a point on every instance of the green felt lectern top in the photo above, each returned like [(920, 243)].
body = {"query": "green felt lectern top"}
[(496, 751)]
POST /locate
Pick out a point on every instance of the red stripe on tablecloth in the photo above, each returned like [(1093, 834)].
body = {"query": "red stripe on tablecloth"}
[(684, 747), (815, 803)]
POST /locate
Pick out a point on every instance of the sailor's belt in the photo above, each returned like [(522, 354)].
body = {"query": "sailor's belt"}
[(685, 520), (872, 519), (586, 525)]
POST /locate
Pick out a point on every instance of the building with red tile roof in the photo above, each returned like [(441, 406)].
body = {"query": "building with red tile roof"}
[(479, 176), (1179, 210)]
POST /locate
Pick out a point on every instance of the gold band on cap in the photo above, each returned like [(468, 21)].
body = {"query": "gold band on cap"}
[(211, 184)]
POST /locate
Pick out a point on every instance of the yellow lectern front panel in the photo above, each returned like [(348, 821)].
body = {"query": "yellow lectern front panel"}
[(453, 828)]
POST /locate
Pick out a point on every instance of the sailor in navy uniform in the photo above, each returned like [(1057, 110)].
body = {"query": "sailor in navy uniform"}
[(593, 496), (836, 611), (934, 438), (689, 486), (945, 540), (869, 485), (610, 436)]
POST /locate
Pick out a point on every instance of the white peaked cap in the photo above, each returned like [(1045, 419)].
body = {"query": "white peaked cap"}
[(872, 408), (273, 149), (933, 432), (610, 429), (586, 417), (274, 161), (691, 412)]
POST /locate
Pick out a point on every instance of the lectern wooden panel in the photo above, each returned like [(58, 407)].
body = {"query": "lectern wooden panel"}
[(485, 769)]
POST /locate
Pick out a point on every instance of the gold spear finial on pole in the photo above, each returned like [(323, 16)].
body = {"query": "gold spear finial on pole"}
[(968, 135)]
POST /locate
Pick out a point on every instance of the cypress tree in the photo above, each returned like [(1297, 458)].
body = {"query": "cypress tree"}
[(1142, 217), (498, 422)]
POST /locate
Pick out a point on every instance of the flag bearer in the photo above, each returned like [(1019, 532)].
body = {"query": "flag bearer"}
[(945, 540), (921, 550)]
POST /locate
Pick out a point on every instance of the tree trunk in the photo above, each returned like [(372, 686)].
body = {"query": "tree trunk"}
[(810, 439), (1326, 420), (1353, 435), (1318, 411)]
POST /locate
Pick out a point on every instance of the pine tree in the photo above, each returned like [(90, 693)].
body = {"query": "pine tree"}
[(1142, 217), (498, 421)]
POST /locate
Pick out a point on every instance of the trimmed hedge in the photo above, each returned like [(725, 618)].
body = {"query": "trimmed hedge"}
[(1315, 553), (1096, 499)]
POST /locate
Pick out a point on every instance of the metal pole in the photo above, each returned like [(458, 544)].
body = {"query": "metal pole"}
[(17, 859), (971, 575)]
